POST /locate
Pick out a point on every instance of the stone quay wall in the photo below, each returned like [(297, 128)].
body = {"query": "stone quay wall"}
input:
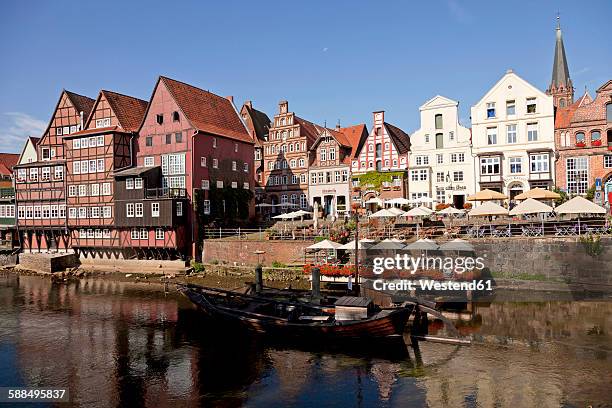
[(550, 258), (48, 263)]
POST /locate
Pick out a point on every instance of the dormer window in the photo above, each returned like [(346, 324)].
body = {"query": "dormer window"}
[(531, 105), (160, 119), (175, 117)]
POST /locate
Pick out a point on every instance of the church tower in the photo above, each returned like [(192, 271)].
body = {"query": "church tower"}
[(561, 87)]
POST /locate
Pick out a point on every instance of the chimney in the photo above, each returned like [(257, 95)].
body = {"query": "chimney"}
[(338, 125), (379, 117), (230, 98), (283, 107), (249, 104)]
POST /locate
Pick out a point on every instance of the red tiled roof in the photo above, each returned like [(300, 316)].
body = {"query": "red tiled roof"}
[(34, 140), (564, 116), (81, 103), (208, 112), (259, 121), (129, 110), (7, 161), (93, 131), (355, 136), (308, 129)]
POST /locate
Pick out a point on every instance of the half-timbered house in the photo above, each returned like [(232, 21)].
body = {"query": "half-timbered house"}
[(40, 188), (93, 155), (258, 124)]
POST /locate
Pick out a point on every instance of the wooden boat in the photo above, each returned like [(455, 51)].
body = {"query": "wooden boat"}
[(300, 320)]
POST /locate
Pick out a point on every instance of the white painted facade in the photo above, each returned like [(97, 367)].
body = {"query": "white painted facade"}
[(441, 162), (29, 153), (513, 137)]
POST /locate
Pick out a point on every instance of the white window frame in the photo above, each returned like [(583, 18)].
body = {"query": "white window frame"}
[(155, 210)]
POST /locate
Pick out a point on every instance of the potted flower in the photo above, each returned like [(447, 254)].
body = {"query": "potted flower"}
[(610, 146), (580, 144), (596, 142)]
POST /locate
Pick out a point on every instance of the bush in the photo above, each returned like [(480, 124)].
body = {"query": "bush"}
[(467, 206), (592, 244), (278, 264), (197, 266), (442, 206)]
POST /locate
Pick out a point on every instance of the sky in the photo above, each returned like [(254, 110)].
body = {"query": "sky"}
[(332, 60)]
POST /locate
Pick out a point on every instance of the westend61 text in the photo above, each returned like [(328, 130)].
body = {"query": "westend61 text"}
[(428, 284)]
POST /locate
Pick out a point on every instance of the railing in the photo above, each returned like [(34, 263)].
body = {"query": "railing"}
[(165, 192), (7, 193), (260, 234)]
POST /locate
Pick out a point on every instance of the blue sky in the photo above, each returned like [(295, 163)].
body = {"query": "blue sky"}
[(331, 59)]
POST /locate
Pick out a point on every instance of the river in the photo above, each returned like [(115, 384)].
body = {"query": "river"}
[(128, 344)]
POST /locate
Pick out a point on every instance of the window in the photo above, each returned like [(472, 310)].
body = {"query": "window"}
[(596, 137), (76, 167), (159, 232), (72, 190), (149, 161), (577, 175), (106, 189), (440, 177), (106, 212), (98, 233), (234, 184), (332, 153), (46, 211), (129, 183), (84, 143), (95, 212), (245, 167), (303, 178), (418, 175), (62, 211), (531, 105), (59, 173), (45, 153), (168, 138), (426, 138), (490, 110), (489, 166), (451, 136), (511, 133), (516, 165), (90, 233), (378, 150), (82, 190), (149, 141), (303, 201), (438, 120), (461, 157), (580, 137), (440, 195), (72, 212), (215, 164), (323, 154), (205, 184), (539, 163), (100, 165), (440, 158), (134, 233), (233, 166), (179, 208), (214, 142), (532, 132), (144, 233), (30, 212), (439, 141), (235, 147), (21, 175), (76, 144), (206, 206), (453, 157), (245, 185), (510, 108), (54, 211), (106, 122), (92, 166), (95, 190), (457, 176), (609, 112), (138, 209), (58, 131), (492, 135), (608, 161), (154, 209), (175, 116), (160, 118), (106, 233), (129, 210), (33, 174), (45, 173), (100, 141), (82, 212), (138, 183)]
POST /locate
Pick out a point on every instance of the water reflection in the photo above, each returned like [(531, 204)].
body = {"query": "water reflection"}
[(116, 344)]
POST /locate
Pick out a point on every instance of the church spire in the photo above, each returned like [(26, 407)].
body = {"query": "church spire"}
[(561, 87)]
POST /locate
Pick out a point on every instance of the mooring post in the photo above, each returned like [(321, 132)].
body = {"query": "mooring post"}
[(316, 285), (258, 278)]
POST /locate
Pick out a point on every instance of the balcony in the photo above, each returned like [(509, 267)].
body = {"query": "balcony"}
[(165, 193), (7, 193)]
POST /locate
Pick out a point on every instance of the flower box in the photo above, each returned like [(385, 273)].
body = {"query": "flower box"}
[(580, 144), (610, 146), (596, 142)]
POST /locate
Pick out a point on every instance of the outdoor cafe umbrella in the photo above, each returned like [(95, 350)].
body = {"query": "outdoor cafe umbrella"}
[(427, 209), (423, 245), (487, 195), (262, 205), (399, 200), (417, 212), (538, 194), (450, 211), (487, 209), (579, 205), (457, 244), (350, 246), (388, 244), (384, 213), (325, 244), (532, 206), (375, 200), (396, 210)]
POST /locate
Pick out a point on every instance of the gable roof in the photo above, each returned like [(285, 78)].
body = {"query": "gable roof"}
[(400, 139), (356, 136), (31, 140), (129, 110), (437, 101), (308, 129), (206, 111), (81, 104), (7, 161), (261, 122), (508, 74)]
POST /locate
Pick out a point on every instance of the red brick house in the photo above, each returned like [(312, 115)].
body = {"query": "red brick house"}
[(583, 138), (40, 187), (199, 142), (285, 174), (258, 124)]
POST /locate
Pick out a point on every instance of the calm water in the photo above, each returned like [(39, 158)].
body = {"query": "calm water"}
[(119, 344)]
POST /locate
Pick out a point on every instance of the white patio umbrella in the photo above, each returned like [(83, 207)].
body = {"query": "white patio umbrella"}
[(384, 213), (427, 209), (375, 200), (423, 245), (388, 244), (325, 244), (350, 246), (488, 208), (399, 200), (450, 211), (457, 244), (426, 200), (532, 206), (417, 212), (396, 210), (579, 205), (264, 205), (284, 216)]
